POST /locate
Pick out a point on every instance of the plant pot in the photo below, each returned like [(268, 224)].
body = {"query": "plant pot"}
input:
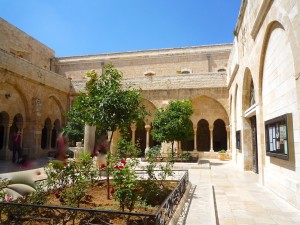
[(222, 156)]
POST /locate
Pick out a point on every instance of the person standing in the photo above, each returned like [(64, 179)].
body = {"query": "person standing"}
[(62, 141), (16, 146)]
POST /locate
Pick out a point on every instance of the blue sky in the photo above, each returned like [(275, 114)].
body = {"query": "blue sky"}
[(86, 27)]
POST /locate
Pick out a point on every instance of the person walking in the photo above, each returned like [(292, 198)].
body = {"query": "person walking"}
[(17, 146)]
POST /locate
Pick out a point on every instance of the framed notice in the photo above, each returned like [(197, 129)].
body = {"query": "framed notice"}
[(277, 144)]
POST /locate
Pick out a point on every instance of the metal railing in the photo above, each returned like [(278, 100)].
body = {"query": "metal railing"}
[(18, 213)]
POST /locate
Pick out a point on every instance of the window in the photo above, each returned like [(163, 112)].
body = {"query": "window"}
[(238, 139), (277, 137), (185, 71), (221, 70), (149, 73)]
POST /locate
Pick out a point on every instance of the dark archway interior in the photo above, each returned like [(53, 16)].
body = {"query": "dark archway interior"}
[(203, 136), (219, 135)]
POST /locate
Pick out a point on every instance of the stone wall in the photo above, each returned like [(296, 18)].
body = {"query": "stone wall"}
[(266, 49), (19, 43)]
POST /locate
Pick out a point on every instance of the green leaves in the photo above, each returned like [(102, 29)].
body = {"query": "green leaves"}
[(173, 123), (106, 104)]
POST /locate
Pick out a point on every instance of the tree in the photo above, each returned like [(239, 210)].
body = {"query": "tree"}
[(107, 103), (173, 123), (74, 127)]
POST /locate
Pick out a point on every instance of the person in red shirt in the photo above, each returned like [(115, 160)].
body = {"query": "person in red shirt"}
[(17, 146)]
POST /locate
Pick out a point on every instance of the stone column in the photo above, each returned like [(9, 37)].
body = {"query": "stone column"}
[(195, 139), (37, 126), (147, 127), (7, 135), (6, 151), (89, 138), (228, 138), (211, 129), (133, 130)]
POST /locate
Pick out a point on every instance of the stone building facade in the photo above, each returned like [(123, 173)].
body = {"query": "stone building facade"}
[(264, 94), (245, 95)]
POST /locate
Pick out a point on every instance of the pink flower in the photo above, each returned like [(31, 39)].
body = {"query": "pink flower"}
[(161, 187), (123, 161), (8, 198)]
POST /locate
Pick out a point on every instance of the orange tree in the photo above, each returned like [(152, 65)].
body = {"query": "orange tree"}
[(107, 103), (172, 123)]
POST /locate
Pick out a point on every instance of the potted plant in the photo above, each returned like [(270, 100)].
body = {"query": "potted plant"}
[(222, 154)]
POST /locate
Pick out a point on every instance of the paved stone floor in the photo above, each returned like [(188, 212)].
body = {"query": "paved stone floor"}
[(221, 194), (237, 197)]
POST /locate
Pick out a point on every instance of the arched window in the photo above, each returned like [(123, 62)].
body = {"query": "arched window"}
[(252, 94), (185, 71), (222, 70), (149, 73)]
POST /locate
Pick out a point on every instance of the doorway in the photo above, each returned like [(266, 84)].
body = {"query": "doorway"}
[(254, 145)]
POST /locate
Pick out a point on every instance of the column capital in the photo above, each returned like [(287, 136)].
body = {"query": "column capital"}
[(147, 127), (211, 127), (133, 126)]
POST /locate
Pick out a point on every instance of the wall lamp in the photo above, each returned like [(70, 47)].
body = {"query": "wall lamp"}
[(7, 95)]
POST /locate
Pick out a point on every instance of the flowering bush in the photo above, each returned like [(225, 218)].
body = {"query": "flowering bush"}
[(69, 180), (3, 184), (125, 183)]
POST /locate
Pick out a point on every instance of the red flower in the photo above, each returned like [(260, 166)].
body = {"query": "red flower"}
[(112, 191), (116, 167), (102, 166), (57, 195), (121, 167), (123, 161)]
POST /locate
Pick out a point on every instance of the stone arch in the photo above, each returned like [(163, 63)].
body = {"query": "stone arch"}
[(203, 135), (54, 133), (234, 123), (188, 145), (46, 132), (58, 110), (150, 108), (4, 120), (277, 82), (247, 107), (14, 94), (219, 135), (17, 125), (139, 129), (208, 108)]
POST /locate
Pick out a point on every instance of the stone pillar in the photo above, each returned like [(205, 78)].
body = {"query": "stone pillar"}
[(228, 139), (89, 138), (147, 127), (133, 130), (37, 126), (6, 153), (7, 135), (211, 129), (195, 139)]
